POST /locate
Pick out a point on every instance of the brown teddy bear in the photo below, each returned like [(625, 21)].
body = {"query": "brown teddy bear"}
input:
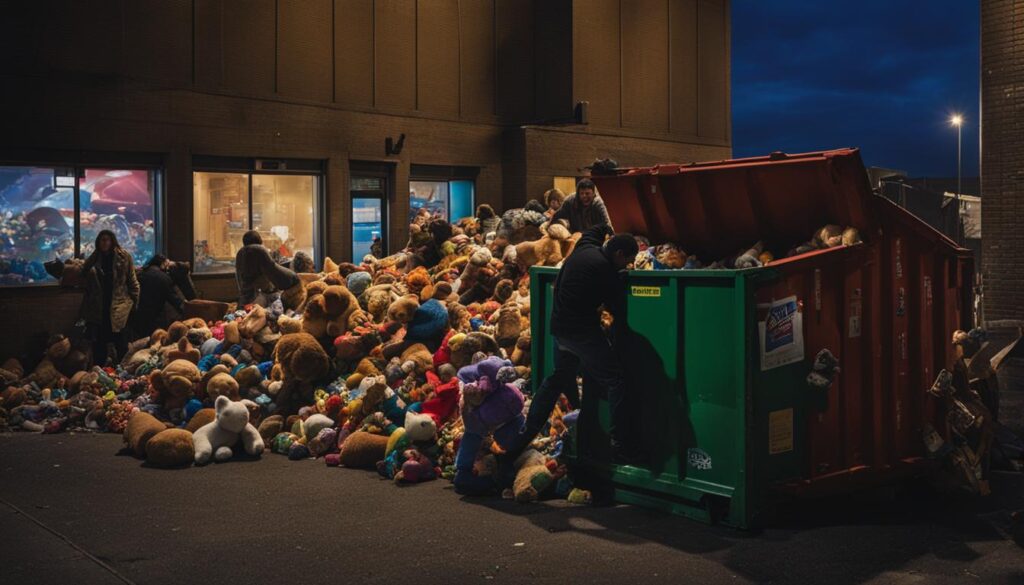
[(463, 347), (287, 324), (159, 445), (377, 299), (175, 383), (403, 309), (222, 384), (302, 361), (509, 325), (549, 250), (343, 310), (459, 317), (253, 323), (184, 351), (521, 352), (47, 374), (362, 450)]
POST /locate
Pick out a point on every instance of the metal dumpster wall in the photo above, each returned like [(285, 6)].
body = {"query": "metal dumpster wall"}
[(886, 309)]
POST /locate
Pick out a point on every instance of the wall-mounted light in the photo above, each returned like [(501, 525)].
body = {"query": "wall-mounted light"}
[(392, 148)]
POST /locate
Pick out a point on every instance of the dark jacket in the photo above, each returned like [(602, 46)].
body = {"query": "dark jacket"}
[(256, 271), (582, 218), (155, 290), (124, 290), (587, 280)]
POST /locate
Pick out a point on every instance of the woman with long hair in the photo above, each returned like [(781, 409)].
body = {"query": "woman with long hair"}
[(111, 295)]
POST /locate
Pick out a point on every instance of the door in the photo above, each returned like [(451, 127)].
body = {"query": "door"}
[(369, 216)]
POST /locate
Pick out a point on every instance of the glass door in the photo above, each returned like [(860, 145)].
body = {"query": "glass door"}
[(369, 216)]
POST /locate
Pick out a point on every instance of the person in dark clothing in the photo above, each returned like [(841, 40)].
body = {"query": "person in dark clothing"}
[(156, 289), (583, 209), (589, 279), (112, 293), (256, 272)]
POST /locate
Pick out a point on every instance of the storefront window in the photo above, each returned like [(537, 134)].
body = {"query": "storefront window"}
[(39, 212), (122, 202), (367, 224), (283, 211), (451, 200), (221, 217)]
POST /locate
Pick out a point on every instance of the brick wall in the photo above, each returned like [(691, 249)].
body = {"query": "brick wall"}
[(1002, 163)]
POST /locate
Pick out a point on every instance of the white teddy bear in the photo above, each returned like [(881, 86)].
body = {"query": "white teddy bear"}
[(216, 439)]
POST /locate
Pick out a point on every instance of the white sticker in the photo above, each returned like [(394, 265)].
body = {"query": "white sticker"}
[(781, 334)]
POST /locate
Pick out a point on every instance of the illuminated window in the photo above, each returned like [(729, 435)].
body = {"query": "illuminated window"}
[(281, 207), (445, 192), (43, 208)]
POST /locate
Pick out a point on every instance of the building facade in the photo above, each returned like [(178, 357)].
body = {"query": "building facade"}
[(324, 124), (1002, 158)]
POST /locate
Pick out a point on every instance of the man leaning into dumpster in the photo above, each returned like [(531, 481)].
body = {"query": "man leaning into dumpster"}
[(591, 277), (583, 209)]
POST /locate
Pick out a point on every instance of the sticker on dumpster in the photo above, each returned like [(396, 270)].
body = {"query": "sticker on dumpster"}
[(646, 291), (698, 459), (781, 334), (856, 306), (780, 431)]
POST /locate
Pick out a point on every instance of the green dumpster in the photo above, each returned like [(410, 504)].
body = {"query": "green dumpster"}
[(695, 404)]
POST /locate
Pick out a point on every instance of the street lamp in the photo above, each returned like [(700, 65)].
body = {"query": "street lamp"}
[(958, 121)]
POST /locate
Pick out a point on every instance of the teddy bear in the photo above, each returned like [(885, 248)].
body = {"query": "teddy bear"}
[(175, 383), (47, 373), (458, 317), (533, 475), (302, 361), (509, 326), (342, 310), (183, 350), (222, 384), (472, 273), (160, 446), (521, 352), (751, 257), (548, 250), (377, 299), (464, 346), (217, 439), (362, 450), (288, 324), (253, 322), (403, 309)]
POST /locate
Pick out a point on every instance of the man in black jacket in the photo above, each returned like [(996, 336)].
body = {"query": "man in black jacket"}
[(259, 278), (156, 289), (590, 278)]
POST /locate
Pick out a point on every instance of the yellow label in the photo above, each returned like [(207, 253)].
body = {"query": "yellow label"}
[(780, 431), (646, 291)]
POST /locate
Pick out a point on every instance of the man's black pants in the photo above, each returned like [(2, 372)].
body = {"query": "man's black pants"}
[(591, 355)]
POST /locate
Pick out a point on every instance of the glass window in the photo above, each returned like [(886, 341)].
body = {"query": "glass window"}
[(429, 197), (37, 222), (566, 185), (367, 228), (220, 218), (123, 202), (283, 211), (451, 200)]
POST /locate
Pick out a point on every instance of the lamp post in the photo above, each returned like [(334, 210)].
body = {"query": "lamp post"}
[(958, 121)]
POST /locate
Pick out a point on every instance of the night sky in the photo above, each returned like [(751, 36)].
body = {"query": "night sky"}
[(882, 76)]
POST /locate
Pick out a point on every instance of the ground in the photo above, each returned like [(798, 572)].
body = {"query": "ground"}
[(74, 512)]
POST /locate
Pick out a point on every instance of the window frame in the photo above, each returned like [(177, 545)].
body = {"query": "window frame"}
[(77, 168), (249, 166)]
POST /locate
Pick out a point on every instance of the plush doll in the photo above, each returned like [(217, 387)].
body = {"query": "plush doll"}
[(548, 250), (302, 361), (175, 383), (160, 446), (46, 374), (253, 322), (429, 324), (216, 439), (417, 359), (533, 476), (750, 258), (851, 236), (521, 353), (403, 309), (184, 351), (343, 310), (222, 384), (464, 347), (509, 326), (362, 450), (829, 236), (377, 299), (287, 324), (458, 317)]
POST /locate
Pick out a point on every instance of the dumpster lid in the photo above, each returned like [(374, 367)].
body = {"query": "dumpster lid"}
[(716, 209)]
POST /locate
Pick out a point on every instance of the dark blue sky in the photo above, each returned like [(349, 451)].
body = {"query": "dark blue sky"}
[(882, 76)]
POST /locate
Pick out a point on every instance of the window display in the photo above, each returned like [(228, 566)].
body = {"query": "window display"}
[(282, 210), (39, 212), (451, 200), (367, 228), (122, 202)]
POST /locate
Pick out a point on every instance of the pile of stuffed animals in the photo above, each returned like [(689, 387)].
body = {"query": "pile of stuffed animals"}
[(671, 256), (416, 365)]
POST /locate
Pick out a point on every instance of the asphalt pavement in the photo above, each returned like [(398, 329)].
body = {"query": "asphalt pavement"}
[(73, 510)]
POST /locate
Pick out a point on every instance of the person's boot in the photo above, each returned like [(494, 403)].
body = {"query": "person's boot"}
[(624, 453)]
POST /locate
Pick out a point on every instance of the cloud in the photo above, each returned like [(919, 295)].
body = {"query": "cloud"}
[(877, 75)]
